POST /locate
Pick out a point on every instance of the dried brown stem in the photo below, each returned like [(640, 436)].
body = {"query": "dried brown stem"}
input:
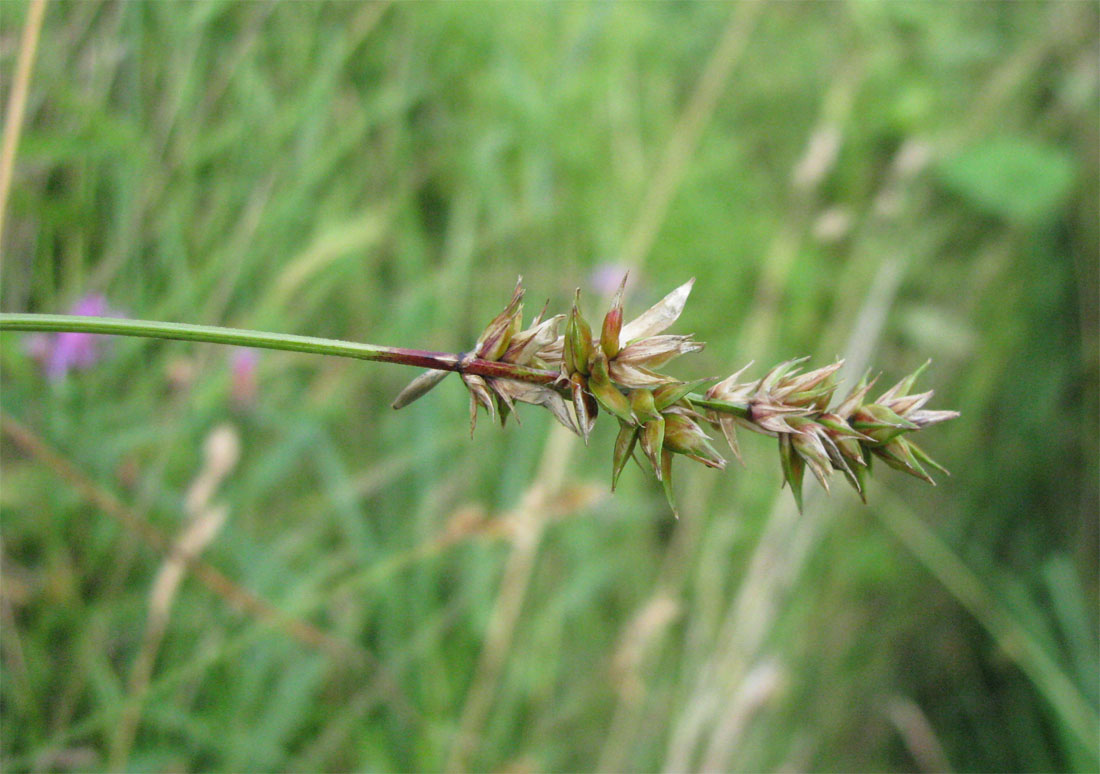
[(210, 576)]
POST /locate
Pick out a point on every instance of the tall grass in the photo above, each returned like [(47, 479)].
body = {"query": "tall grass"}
[(920, 179)]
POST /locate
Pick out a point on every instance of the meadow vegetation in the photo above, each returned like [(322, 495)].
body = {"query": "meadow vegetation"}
[(882, 182)]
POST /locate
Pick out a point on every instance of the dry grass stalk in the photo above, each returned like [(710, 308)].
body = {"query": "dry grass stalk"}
[(17, 100), (204, 521), (221, 585)]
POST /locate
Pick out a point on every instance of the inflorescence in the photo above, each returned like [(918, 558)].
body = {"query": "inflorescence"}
[(618, 371)]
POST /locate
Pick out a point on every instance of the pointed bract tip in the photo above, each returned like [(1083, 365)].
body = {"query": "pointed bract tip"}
[(666, 482), (618, 297)]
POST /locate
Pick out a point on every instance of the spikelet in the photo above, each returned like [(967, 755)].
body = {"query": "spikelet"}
[(619, 372)]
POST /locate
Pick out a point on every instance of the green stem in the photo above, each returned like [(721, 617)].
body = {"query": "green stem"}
[(210, 334), (724, 406), (263, 340)]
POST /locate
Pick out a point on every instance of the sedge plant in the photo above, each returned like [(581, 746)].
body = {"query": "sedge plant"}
[(559, 363)]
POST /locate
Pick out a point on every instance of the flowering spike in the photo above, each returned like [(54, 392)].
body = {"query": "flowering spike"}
[(509, 365), (663, 415)]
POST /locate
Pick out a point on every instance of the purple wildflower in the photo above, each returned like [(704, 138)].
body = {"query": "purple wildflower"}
[(59, 353), (242, 366), (606, 278)]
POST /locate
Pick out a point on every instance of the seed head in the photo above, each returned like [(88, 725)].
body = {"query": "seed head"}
[(503, 341), (620, 373), (794, 406)]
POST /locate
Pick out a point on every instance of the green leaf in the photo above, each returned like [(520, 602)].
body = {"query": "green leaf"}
[(1011, 177)]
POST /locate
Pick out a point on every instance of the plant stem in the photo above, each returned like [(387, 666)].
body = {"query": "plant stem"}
[(723, 406), (264, 340), (210, 334)]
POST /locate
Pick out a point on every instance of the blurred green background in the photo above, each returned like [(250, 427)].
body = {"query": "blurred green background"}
[(883, 181)]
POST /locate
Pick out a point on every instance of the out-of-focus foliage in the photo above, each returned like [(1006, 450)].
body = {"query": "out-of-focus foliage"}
[(882, 181), (1011, 178)]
